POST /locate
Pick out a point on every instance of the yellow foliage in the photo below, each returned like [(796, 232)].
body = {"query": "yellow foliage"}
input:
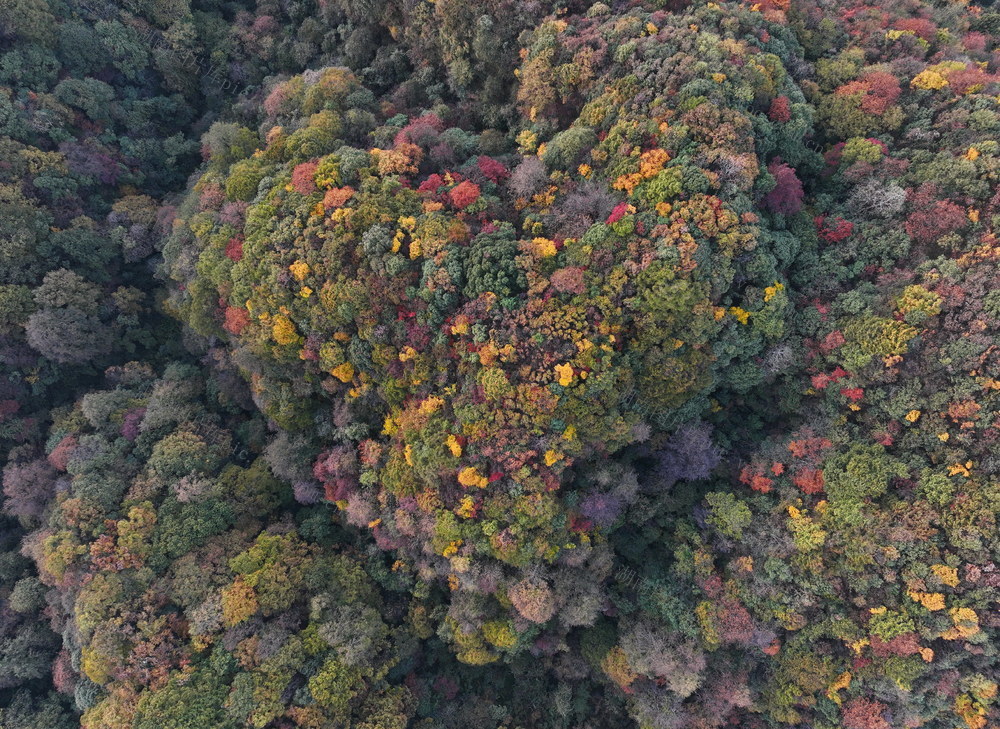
[(299, 270), (283, 330), (966, 624), (499, 633), (390, 426), (470, 476), (913, 416), (407, 354), (971, 711), (239, 602), (616, 665), (651, 162), (972, 155), (947, 575), (544, 248), (960, 469), (454, 446), (843, 681), (628, 182), (305, 292), (933, 601), (552, 456), (565, 374), (452, 548), (430, 405), (742, 315), (343, 372), (771, 291), (929, 80), (466, 507), (917, 298)]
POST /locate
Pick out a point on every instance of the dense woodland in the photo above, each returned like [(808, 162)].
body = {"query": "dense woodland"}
[(499, 363)]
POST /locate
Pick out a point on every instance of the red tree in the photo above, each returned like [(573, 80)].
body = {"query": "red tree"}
[(786, 197), (464, 194), (779, 111)]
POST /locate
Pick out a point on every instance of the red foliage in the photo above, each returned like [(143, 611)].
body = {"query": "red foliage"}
[(211, 198), (808, 446), (464, 194), (864, 714), (302, 177), (832, 341), (337, 468), (852, 393), (233, 213), (879, 90), (786, 197), (779, 111), (422, 131), (907, 644), (618, 213), (432, 183), (337, 197), (130, 426), (833, 230), (755, 479), (568, 280), (809, 480), (821, 380), (28, 487), (237, 319), (59, 457), (921, 27), (492, 169), (234, 249), (964, 81), (63, 675), (932, 218), (735, 624), (277, 101), (974, 41)]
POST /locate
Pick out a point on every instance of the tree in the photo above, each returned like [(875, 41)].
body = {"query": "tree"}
[(786, 197), (28, 487)]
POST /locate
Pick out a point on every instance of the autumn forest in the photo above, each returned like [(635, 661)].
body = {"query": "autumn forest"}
[(500, 364)]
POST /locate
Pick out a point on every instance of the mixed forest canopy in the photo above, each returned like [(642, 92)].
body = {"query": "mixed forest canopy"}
[(517, 364)]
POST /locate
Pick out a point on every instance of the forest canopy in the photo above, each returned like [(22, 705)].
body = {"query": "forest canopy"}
[(496, 363)]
